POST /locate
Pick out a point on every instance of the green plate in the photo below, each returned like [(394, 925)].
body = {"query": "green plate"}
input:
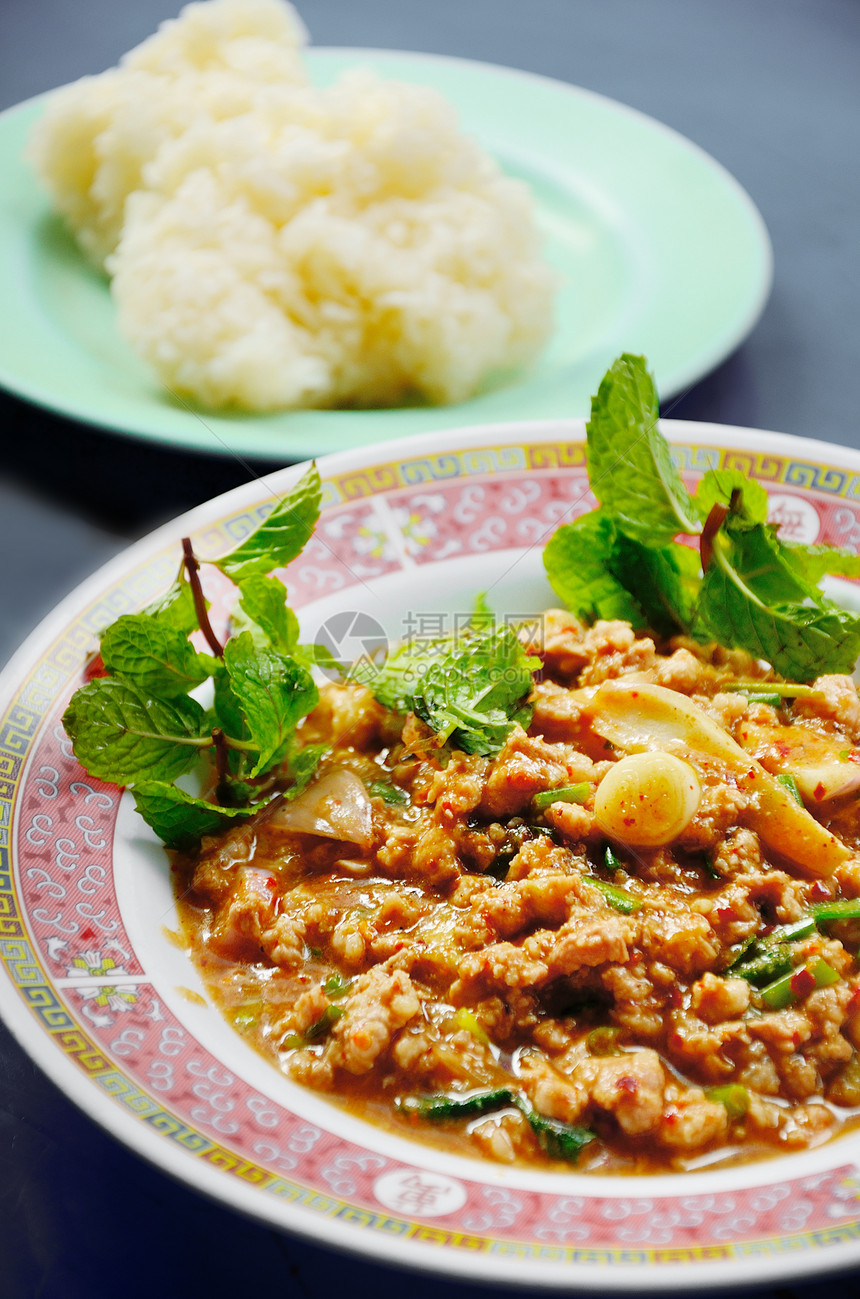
[(659, 249)]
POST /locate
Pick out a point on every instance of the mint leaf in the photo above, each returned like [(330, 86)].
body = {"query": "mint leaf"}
[(815, 562), (595, 570), (482, 614), (228, 710), (752, 599), (181, 820), (666, 582), (154, 656), (302, 765), (629, 463), (757, 555), (281, 536), (577, 560), (264, 604), (470, 689), (175, 608), (474, 693), (120, 733), (716, 488), (273, 691)]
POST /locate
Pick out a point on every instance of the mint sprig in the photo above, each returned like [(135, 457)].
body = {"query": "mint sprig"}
[(470, 689), (140, 726), (752, 590)]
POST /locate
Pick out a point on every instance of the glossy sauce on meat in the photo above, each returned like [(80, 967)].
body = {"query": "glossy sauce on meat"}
[(470, 941)]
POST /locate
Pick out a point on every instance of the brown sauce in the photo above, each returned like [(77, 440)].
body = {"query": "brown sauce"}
[(477, 943)]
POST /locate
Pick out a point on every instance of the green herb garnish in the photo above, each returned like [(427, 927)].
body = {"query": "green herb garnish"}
[(618, 899), (559, 1140), (750, 591), (563, 794), (451, 1105), (470, 689), (140, 727), (392, 795), (788, 782)]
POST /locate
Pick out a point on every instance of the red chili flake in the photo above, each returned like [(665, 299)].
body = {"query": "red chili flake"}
[(628, 1085), (796, 1039), (676, 1041), (94, 667), (726, 914), (630, 820), (670, 1118), (819, 791), (819, 892), (803, 983), (853, 1002)]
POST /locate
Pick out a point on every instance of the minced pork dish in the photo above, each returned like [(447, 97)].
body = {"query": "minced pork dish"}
[(627, 940)]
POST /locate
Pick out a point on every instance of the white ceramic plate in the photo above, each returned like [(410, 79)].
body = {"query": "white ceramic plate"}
[(114, 1012), (658, 249)]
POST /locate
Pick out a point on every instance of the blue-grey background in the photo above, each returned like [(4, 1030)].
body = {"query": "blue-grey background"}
[(771, 88)]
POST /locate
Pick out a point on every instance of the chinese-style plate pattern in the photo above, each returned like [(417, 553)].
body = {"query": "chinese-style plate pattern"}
[(98, 991)]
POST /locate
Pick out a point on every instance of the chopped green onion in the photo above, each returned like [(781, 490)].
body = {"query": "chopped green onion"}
[(336, 987), (798, 984), (559, 1140), (564, 794), (733, 1096), (327, 1020), (768, 962), (620, 899), (788, 782), (784, 689), (709, 868), (604, 1041), (843, 909), (760, 697), (791, 933), (244, 1020), (445, 1105), (733, 957), (611, 861)]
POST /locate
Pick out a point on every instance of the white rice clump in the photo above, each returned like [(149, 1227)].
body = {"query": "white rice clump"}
[(275, 245)]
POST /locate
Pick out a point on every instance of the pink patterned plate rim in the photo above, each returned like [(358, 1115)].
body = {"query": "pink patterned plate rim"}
[(113, 1011)]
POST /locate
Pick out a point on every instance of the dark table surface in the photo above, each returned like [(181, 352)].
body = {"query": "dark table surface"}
[(771, 89)]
